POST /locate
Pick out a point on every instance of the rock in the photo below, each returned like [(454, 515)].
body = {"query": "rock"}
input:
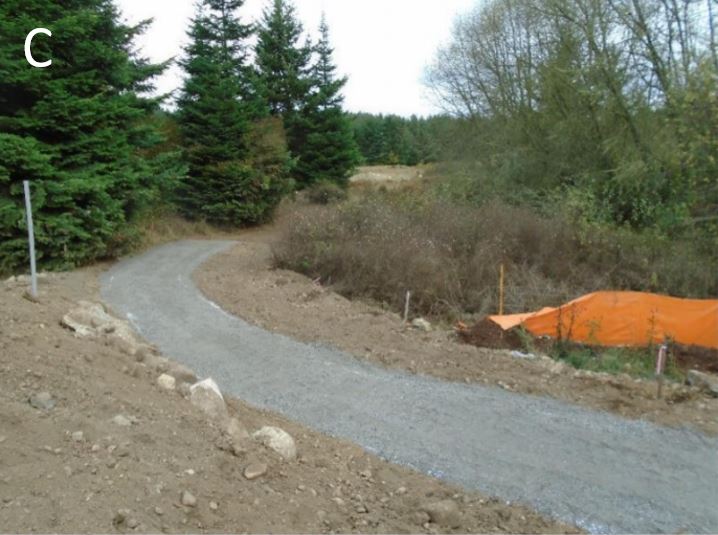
[(206, 396), (181, 373), (166, 382), (122, 421), (78, 436), (91, 320), (159, 511), (120, 517), (157, 362), (278, 440), (132, 523), (42, 401), (705, 381), (522, 355), (255, 471), (421, 324), (444, 513), (187, 499), (213, 506)]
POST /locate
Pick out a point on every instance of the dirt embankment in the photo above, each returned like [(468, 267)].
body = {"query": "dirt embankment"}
[(243, 283), (108, 450)]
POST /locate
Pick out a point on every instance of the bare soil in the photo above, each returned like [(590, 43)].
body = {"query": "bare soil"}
[(243, 282), (124, 479)]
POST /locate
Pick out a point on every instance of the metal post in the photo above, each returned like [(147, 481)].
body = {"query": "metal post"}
[(31, 237), (406, 307)]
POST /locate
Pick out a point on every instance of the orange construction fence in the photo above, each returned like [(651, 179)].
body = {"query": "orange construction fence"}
[(624, 319)]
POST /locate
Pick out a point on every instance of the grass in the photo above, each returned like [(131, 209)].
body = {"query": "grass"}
[(636, 362)]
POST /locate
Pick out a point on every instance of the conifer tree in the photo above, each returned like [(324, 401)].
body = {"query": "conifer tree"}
[(218, 116), (76, 129), (283, 64), (329, 152)]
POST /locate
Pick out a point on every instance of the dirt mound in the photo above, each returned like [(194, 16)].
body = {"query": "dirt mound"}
[(486, 333), (91, 442)]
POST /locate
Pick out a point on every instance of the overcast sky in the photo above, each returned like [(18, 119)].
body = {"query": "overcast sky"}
[(382, 45)]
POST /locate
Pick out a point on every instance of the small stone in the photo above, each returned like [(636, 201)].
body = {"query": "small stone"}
[(120, 517), (365, 474), (159, 511), (133, 523), (705, 381), (255, 471), (166, 382), (401, 490), (78, 436), (42, 401), (213, 506), (187, 499), (445, 513), (421, 324), (122, 421)]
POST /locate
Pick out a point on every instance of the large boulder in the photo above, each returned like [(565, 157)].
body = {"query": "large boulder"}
[(206, 396), (444, 513), (277, 440)]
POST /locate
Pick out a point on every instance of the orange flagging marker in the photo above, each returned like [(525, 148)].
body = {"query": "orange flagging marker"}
[(624, 319)]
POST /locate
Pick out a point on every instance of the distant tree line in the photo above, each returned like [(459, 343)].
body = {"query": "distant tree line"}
[(259, 114), (610, 104), (394, 140)]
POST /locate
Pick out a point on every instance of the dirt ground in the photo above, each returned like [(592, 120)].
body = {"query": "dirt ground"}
[(243, 282), (73, 468)]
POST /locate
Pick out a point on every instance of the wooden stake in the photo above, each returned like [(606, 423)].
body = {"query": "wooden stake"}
[(501, 289), (406, 307), (660, 367)]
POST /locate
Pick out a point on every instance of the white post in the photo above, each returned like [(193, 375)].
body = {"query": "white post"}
[(31, 236), (406, 307)]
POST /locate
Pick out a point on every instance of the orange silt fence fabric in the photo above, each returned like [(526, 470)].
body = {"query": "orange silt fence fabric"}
[(624, 319)]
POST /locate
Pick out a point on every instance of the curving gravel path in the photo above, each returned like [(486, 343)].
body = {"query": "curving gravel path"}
[(593, 469)]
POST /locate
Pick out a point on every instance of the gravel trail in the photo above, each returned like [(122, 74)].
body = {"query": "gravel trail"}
[(593, 469)]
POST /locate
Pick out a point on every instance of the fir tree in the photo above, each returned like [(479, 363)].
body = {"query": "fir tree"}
[(77, 130), (283, 65), (329, 152), (218, 115)]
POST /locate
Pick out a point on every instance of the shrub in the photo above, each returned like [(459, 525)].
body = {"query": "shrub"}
[(449, 255), (325, 192)]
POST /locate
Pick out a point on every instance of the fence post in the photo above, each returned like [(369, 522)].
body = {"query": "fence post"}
[(660, 368), (31, 237)]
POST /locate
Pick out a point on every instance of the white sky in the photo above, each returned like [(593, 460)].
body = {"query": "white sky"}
[(382, 45)]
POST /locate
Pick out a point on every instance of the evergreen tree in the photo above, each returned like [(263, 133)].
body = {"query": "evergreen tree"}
[(283, 65), (329, 152), (77, 130), (218, 115)]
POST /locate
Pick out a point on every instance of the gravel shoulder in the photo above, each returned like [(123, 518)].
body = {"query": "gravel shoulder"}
[(595, 470), (73, 469)]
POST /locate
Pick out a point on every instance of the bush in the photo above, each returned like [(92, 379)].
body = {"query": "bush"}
[(325, 192), (449, 255)]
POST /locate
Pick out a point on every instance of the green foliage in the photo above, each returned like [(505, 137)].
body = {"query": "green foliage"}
[(392, 140), (78, 130), (637, 362), (554, 104), (237, 165), (282, 68), (328, 153)]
